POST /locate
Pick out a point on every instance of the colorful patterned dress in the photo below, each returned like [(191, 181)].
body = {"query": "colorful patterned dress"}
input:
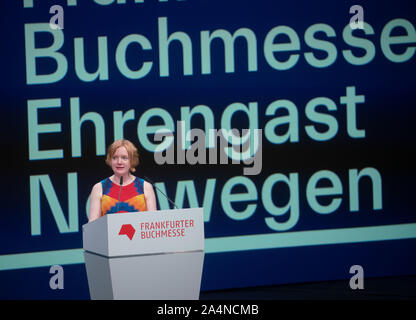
[(132, 197)]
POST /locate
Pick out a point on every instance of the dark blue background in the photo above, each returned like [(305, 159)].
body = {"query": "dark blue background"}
[(386, 116)]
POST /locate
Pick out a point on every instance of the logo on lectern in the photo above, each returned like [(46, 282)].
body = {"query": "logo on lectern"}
[(128, 230)]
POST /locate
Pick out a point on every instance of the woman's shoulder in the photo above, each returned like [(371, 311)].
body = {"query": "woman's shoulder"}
[(147, 185), (97, 188), (138, 179), (141, 184), (101, 184)]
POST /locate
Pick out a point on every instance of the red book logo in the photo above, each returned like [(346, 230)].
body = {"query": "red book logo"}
[(128, 230)]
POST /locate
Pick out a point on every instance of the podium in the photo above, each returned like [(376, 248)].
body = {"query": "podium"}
[(152, 255)]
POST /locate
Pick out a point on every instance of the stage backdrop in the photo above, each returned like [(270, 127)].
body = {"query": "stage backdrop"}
[(324, 180)]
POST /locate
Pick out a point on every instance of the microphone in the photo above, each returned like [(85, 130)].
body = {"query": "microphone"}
[(153, 184), (119, 193)]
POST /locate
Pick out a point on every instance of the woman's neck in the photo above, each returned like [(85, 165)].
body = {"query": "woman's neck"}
[(127, 178)]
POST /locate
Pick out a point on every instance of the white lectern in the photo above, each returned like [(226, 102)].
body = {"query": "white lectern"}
[(154, 255)]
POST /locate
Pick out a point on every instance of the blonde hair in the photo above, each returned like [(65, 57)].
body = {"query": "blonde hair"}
[(131, 151)]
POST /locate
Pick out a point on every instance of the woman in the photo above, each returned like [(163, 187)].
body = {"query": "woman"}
[(136, 194)]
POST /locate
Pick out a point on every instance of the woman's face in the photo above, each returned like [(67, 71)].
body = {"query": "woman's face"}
[(120, 163)]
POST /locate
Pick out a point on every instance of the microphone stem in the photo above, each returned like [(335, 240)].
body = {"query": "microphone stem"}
[(119, 194)]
